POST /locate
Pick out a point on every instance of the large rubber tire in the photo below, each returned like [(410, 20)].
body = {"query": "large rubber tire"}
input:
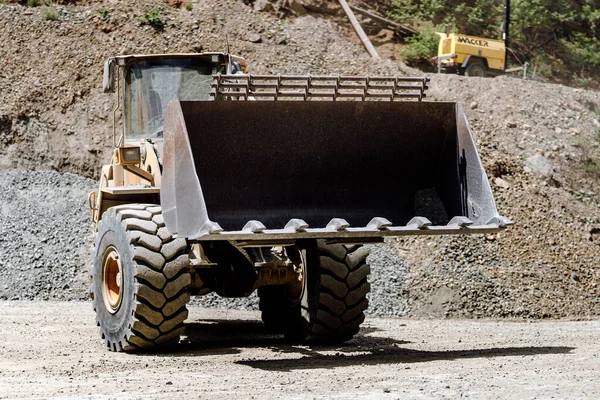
[(143, 305), (476, 69), (332, 304)]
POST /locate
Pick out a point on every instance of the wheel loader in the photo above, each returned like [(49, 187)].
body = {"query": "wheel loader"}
[(221, 181)]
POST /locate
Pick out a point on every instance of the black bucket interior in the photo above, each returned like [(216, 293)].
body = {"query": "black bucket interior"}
[(274, 161)]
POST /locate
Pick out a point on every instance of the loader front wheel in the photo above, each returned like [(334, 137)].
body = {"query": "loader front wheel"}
[(139, 279), (331, 305)]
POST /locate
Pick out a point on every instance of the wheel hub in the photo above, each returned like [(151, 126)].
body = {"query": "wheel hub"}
[(112, 280)]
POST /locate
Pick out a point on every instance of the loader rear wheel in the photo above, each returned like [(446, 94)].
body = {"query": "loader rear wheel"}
[(476, 69), (139, 279), (333, 300)]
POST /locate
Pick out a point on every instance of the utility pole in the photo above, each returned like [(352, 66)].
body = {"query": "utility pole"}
[(505, 30)]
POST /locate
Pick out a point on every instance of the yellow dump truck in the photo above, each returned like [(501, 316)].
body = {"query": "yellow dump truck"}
[(470, 55)]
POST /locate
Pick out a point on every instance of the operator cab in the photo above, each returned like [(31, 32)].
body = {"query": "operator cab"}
[(152, 81)]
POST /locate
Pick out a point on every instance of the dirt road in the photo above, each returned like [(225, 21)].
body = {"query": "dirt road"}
[(51, 350)]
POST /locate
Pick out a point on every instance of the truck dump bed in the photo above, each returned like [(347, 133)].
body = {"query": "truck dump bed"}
[(261, 170)]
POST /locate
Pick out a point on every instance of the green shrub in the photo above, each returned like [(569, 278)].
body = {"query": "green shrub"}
[(33, 3), (421, 48), (50, 14), (104, 14), (592, 165), (410, 11), (153, 18)]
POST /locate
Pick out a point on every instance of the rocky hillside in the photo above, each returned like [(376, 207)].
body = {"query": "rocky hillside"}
[(539, 142), (54, 113)]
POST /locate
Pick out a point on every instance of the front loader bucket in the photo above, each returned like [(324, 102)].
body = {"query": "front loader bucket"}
[(242, 169)]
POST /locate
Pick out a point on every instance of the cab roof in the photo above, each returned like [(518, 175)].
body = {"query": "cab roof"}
[(216, 57)]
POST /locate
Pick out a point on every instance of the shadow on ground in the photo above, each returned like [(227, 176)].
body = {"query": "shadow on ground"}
[(220, 337), (394, 355)]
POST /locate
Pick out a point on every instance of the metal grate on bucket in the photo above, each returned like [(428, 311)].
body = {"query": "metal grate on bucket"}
[(308, 87)]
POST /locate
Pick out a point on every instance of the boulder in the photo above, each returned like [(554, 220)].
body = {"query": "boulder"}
[(539, 166)]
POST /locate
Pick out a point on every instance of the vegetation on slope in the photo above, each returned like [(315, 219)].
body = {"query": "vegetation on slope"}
[(559, 37)]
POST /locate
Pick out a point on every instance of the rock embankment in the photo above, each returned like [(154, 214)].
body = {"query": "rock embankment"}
[(539, 143)]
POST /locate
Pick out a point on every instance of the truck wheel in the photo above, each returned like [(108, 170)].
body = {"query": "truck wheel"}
[(476, 69), (139, 279), (330, 305)]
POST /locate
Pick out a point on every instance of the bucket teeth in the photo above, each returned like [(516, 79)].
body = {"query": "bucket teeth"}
[(254, 226), (296, 224), (507, 222), (502, 222), (419, 222), (339, 224), (212, 227), (379, 223), (460, 221)]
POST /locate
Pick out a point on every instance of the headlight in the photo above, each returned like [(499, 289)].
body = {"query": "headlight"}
[(129, 155)]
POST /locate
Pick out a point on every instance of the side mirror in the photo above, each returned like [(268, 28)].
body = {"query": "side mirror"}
[(236, 68), (108, 81)]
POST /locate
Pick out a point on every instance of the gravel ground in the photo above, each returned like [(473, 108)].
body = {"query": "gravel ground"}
[(45, 235), (227, 355), (46, 243), (388, 280)]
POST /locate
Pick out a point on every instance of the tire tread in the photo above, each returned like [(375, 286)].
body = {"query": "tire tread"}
[(341, 310), (161, 276)]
